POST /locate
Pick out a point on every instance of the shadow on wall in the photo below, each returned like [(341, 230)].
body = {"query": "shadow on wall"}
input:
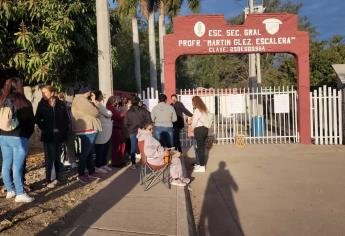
[(219, 215)]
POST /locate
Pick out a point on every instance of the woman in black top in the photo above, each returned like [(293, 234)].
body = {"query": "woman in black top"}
[(52, 118)]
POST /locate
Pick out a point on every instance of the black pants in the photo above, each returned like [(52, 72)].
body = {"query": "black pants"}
[(101, 154), (52, 153), (200, 134), (177, 142)]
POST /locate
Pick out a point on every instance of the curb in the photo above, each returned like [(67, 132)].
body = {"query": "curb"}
[(184, 217)]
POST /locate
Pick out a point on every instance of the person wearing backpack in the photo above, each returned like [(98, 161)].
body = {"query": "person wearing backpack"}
[(16, 127), (52, 119), (200, 125)]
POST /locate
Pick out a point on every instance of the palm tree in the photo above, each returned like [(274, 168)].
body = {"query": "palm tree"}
[(171, 8), (105, 72), (148, 10), (128, 8)]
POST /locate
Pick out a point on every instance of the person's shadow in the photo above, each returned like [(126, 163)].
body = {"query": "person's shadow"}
[(219, 215)]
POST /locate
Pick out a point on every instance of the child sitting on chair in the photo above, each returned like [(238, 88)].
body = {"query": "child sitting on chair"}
[(155, 155)]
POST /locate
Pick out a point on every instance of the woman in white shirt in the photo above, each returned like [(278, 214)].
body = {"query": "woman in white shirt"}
[(200, 118), (103, 137)]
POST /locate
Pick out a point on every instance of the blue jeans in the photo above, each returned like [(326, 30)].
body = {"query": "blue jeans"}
[(85, 156), (134, 146), (165, 135), (14, 152)]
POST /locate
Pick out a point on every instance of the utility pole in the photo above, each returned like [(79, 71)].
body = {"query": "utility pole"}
[(255, 78), (254, 59), (252, 70), (105, 69)]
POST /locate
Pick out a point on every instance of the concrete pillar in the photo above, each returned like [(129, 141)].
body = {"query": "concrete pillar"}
[(303, 102), (105, 71)]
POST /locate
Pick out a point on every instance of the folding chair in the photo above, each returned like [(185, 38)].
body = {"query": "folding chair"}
[(150, 175)]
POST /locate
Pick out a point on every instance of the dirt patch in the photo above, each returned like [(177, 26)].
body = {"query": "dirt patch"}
[(50, 205)]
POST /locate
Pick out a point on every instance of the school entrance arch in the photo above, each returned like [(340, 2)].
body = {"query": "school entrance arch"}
[(260, 33)]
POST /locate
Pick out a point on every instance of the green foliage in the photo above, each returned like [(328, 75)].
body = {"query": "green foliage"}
[(36, 40), (49, 40), (323, 55)]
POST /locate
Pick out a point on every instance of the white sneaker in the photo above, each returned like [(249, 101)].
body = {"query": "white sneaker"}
[(52, 184), (11, 194), (107, 168), (138, 156), (178, 182), (200, 169), (24, 198), (185, 180), (100, 171)]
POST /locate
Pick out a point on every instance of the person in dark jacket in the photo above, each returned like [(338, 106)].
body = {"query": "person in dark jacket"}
[(52, 118), (15, 143), (135, 118), (179, 124)]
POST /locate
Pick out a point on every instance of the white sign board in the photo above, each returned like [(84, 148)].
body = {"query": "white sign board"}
[(281, 103), (232, 104), (186, 100), (150, 103)]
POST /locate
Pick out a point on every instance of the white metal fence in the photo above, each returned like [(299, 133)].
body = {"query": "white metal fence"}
[(326, 116), (266, 115)]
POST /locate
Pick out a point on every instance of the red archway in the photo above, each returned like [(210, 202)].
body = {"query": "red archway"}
[(261, 33)]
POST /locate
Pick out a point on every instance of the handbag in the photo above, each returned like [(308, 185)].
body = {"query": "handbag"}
[(8, 120)]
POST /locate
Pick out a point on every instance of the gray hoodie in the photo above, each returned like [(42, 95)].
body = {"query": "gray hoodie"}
[(153, 150), (163, 115)]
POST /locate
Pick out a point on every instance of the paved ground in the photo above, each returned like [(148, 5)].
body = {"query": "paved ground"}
[(124, 208), (271, 190)]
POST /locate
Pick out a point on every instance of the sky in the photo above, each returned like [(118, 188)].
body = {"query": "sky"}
[(326, 15)]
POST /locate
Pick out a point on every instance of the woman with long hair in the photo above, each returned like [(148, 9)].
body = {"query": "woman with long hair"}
[(118, 135), (200, 118), (14, 143)]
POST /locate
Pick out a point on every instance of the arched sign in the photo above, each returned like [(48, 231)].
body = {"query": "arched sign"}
[(261, 33)]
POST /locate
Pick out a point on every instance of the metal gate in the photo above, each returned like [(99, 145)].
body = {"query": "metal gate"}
[(266, 115)]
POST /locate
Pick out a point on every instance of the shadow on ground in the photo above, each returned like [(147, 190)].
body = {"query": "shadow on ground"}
[(95, 206), (219, 215), (221, 185)]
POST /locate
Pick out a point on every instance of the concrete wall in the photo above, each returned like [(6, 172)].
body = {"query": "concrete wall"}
[(34, 95)]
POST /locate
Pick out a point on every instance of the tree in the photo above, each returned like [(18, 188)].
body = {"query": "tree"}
[(37, 37), (148, 11), (172, 8), (128, 8)]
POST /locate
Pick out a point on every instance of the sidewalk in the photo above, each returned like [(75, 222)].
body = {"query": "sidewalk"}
[(124, 208), (268, 190)]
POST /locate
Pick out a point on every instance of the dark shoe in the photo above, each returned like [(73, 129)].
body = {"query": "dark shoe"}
[(27, 188), (118, 165)]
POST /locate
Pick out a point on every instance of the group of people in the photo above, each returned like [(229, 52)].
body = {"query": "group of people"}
[(85, 131)]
